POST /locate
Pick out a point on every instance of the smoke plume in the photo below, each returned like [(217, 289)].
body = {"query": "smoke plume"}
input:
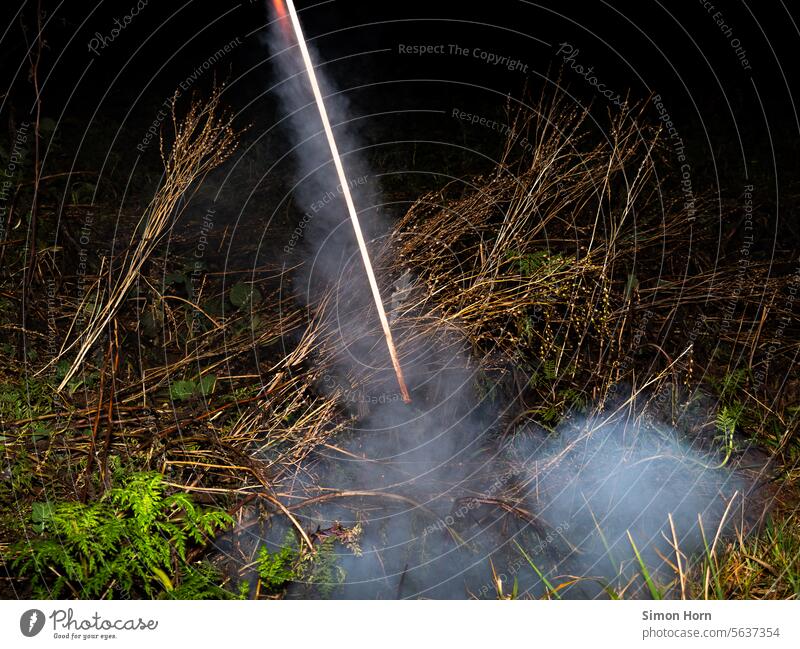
[(448, 502)]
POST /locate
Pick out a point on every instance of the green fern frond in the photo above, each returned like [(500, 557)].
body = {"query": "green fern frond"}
[(134, 541)]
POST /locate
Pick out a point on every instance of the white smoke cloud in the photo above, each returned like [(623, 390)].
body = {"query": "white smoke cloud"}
[(448, 497)]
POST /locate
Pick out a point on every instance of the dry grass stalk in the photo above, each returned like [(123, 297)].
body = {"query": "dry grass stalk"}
[(203, 139), (573, 254)]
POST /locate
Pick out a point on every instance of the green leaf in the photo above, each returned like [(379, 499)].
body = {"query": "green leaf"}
[(41, 514), (164, 579), (539, 573), (207, 384), (39, 431), (182, 390), (242, 294), (276, 569), (62, 367), (655, 593)]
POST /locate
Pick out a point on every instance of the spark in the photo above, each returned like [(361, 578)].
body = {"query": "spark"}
[(280, 10), (351, 208)]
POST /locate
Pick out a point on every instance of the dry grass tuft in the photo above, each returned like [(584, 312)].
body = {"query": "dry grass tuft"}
[(203, 139)]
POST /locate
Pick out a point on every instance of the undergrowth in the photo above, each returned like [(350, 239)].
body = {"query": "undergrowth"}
[(135, 541)]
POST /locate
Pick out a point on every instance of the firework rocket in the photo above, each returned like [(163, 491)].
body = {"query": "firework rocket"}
[(282, 8)]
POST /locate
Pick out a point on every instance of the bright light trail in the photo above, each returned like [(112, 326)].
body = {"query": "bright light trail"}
[(351, 208)]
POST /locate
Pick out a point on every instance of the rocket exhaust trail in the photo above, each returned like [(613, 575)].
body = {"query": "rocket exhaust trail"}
[(351, 208)]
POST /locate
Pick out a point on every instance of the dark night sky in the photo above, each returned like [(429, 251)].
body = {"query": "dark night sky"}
[(673, 49)]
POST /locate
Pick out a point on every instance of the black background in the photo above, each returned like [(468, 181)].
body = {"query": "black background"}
[(738, 124)]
